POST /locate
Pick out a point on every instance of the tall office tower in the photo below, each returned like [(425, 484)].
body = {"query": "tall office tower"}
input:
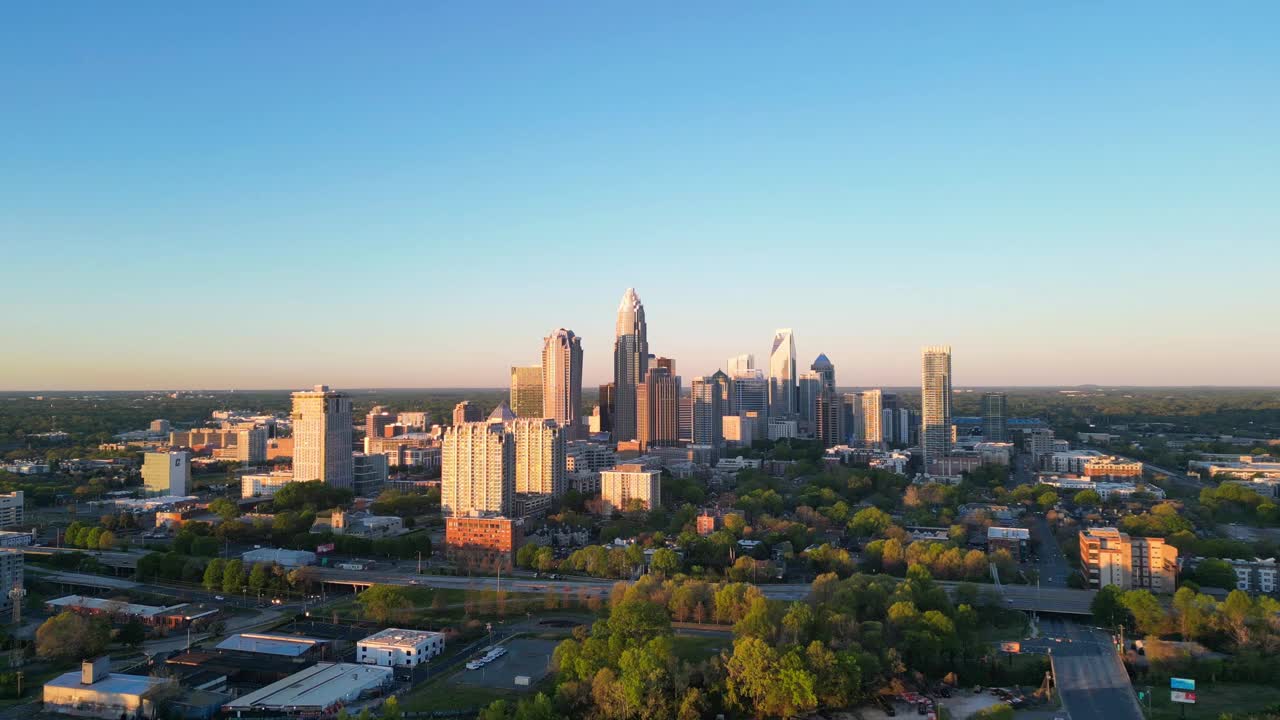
[(322, 437), (741, 364), (724, 386), (376, 421), (166, 473), (825, 370), (935, 401), (540, 456), (807, 389), (477, 470), (606, 407), (867, 427), (657, 409), (630, 364), (908, 426), (562, 380), (526, 391), (707, 403), (750, 393), (684, 430), (782, 374), (995, 420), (829, 419), (467, 411)]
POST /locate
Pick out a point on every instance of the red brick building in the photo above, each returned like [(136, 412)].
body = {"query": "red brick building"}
[(483, 542)]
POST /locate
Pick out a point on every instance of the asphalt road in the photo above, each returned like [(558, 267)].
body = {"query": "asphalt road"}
[(1090, 676), (1053, 565)]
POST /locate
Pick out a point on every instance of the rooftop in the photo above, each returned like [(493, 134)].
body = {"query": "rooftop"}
[(319, 686), (114, 606), (113, 683), (400, 638), (268, 644), (1008, 533)]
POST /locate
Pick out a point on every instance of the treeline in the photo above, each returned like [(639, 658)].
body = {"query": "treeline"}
[(849, 639)]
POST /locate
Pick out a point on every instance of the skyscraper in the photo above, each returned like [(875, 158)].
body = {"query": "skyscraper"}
[(562, 380), (658, 408), (807, 389), (526, 391), (708, 411), (995, 421), (782, 374), (477, 468), (467, 411), (540, 458), (322, 437), (606, 407), (829, 419), (750, 395), (741, 364), (376, 421), (825, 370), (630, 364), (867, 420), (685, 425), (935, 402)]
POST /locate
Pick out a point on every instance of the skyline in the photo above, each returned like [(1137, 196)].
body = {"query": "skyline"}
[(274, 197)]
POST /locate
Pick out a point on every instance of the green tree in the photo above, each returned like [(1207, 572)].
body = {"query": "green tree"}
[(258, 578), (869, 522), (132, 634), (225, 509), (233, 576), (1148, 614), (386, 603), (1108, 607), (1212, 572), (665, 562), (68, 637), (1087, 498), (213, 574)]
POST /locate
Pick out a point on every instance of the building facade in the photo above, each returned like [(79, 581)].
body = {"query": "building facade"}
[(167, 473), (782, 374), (707, 411), (866, 414), (658, 409), (935, 400), (394, 647), (540, 456), (477, 470), (562, 380), (467, 411), (995, 417), (322, 437), (625, 486), (1110, 557), (829, 419), (606, 407), (630, 364), (526, 391)]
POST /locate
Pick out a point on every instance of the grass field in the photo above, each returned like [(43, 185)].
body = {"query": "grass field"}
[(699, 647), (442, 695), (1216, 700)]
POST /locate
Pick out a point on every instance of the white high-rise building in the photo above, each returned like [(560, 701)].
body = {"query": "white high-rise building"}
[(540, 456), (477, 470), (741, 364), (630, 364), (12, 508), (167, 473), (322, 437), (782, 374), (935, 401), (622, 485), (562, 380), (867, 427)]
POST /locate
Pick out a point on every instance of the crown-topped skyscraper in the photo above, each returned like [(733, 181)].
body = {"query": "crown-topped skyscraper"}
[(630, 363)]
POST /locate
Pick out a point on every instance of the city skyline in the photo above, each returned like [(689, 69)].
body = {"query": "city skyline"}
[(1050, 190)]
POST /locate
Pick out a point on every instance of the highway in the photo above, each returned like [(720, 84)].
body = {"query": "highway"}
[(1090, 676)]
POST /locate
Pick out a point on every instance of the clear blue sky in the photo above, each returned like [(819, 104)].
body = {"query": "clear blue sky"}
[(277, 194)]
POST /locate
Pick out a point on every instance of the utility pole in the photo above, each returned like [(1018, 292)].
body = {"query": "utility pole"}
[(419, 562)]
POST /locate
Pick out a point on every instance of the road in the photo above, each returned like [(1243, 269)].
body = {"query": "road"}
[(1173, 476), (1053, 565), (1090, 676)]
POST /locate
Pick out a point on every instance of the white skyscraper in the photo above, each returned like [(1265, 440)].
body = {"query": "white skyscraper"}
[(741, 364), (782, 374), (935, 402), (540, 456), (322, 437), (630, 363), (562, 380), (477, 470), (867, 420)]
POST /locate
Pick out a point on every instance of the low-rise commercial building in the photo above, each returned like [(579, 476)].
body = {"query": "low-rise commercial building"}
[(292, 646), (394, 647), (483, 542), (317, 690), (283, 558), (171, 616), (1015, 540), (94, 691), (264, 484)]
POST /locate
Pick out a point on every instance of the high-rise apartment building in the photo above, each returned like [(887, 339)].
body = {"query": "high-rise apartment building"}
[(867, 428), (12, 508), (467, 411), (995, 421), (540, 456), (1110, 557), (627, 486), (829, 419), (743, 364), (685, 425), (782, 375), (606, 407), (750, 396), (658, 408), (477, 470), (707, 411), (322, 437), (630, 364), (935, 401), (562, 380), (166, 473), (377, 420), (526, 391), (413, 421), (12, 562)]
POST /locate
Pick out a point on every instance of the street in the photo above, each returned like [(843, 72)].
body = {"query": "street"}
[(1090, 677)]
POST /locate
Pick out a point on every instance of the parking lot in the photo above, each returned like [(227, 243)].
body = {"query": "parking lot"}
[(525, 656)]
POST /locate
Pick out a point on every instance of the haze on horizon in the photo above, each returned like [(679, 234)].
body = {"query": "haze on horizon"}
[(274, 197)]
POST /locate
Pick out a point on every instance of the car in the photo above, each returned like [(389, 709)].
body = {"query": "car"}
[(218, 597), (473, 665)]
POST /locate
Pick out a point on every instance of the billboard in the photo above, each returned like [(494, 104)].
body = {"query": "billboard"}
[(1182, 696), (326, 548), (1182, 683), (1011, 647)]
